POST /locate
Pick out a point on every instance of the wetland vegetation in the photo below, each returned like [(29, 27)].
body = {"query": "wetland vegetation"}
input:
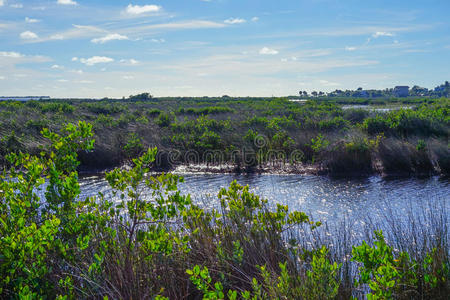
[(157, 244), (248, 134)]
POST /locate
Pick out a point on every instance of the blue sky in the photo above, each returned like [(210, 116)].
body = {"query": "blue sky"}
[(98, 48)]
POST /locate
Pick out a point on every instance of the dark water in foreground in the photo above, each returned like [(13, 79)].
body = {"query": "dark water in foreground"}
[(325, 199)]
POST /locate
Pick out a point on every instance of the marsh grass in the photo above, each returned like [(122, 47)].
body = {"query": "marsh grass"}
[(190, 124)]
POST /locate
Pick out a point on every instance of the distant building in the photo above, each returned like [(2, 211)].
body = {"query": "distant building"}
[(401, 91), (26, 98)]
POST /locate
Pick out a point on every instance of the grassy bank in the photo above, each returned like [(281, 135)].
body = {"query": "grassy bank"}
[(159, 245), (245, 132)]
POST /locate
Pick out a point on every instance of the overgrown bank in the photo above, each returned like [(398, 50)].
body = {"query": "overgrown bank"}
[(246, 133), (159, 244)]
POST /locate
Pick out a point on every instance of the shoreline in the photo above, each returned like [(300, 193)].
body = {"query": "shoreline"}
[(266, 169)]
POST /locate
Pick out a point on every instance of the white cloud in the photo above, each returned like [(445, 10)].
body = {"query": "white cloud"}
[(96, 60), (39, 8), (149, 31), (76, 71), (57, 37), (28, 35), (2, 2), (11, 54), (30, 20), (85, 81), (66, 2), (255, 19), (16, 5), (350, 48), (138, 9), (87, 27), (77, 32), (131, 61), (109, 37), (382, 33), (11, 58), (128, 77), (234, 21), (158, 40), (194, 24), (74, 58), (328, 83), (2, 77), (57, 67), (293, 58), (63, 80), (268, 51)]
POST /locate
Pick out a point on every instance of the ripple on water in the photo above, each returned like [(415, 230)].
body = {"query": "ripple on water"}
[(323, 198)]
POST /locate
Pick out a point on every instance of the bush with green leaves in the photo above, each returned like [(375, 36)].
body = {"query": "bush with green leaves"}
[(60, 245), (133, 147), (318, 144), (33, 231), (164, 119), (213, 110), (202, 133), (57, 107), (376, 125)]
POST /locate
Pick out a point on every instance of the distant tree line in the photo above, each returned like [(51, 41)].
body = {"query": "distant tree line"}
[(141, 97), (442, 90)]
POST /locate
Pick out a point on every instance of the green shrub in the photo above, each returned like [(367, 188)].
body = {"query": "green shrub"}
[(322, 281), (376, 125), (213, 110), (11, 144), (57, 107), (37, 125), (257, 121), (208, 140), (34, 231), (153, 112), (352, 157), (282, 141), (105, 108), (395, 275), (105, 120), (164, 119), (355, 116), (421, 145), (318, 144), (133, 146), (333, 124), (278, 123)]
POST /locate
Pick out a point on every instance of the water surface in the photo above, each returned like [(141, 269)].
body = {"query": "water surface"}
[(323, 198)]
